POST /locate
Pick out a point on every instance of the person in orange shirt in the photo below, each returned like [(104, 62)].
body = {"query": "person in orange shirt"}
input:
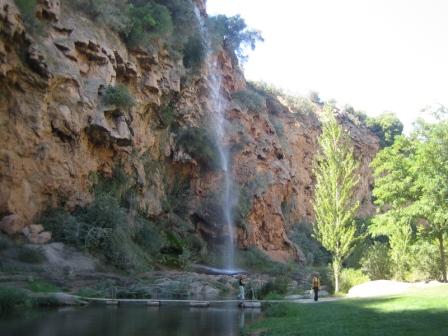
[(316, 286)]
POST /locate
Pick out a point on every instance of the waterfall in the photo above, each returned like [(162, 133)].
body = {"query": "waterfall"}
[(218, 121)]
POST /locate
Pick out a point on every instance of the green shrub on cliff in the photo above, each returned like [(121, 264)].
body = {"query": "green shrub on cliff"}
[(136, 21), (167, 112), (113, 13), (194, 52), (297, 103), (249, 99), (200, 145), (148, 20), (119, 96), (28, 10)]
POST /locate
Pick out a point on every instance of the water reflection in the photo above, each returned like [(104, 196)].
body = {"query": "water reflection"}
[(129, 321)]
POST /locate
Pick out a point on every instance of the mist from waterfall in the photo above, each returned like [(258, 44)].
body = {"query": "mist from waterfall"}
[(217, 124)]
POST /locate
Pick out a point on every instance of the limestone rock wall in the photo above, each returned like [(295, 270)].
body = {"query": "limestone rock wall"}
[(56, 133)]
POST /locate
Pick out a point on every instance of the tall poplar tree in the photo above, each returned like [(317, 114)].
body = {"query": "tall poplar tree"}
[(334, 204)]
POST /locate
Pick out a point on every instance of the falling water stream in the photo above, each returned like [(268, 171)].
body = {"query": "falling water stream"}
[(218, 107)]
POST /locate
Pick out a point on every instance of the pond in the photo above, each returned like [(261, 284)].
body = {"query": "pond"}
[(131, 321)]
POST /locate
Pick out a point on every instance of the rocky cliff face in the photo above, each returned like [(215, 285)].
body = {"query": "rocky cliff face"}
[(56, 133)]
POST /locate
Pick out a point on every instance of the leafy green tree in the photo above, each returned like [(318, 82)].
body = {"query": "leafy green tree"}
[(431, 171), (234, 34), (334, 204), (411, 188), (386, 126), (394, 191)]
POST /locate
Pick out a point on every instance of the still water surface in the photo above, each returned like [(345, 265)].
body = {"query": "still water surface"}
[(131, 321)]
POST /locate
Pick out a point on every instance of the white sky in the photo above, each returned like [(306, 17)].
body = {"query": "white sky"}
[(377, 55)]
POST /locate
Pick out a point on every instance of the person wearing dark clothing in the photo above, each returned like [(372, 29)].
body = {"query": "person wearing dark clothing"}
[(316, 286)]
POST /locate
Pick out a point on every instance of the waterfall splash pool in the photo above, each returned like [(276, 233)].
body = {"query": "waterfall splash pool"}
[(131, 321)]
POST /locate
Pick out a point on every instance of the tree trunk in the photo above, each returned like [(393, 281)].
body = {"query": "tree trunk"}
[(336, 271), (442, 257)]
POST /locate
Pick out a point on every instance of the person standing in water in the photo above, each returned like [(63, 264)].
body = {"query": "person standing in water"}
[(316, 286)]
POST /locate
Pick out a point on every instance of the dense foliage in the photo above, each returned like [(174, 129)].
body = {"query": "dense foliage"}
[(351, 277), (386, 126), (233, 33), (28, 10), (297, 103), (200, 145), (113, 228), (145, 23), (249, 99), (411, 189), (119, 96)]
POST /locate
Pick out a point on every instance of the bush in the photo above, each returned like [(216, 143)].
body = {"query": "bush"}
[(91, 293), (249, 99), (113, 13), (148, 21), (28, 10), (119, 96), (350, 277), (253, 259), (30, 255), (126, 240), (167, 112), (46, 301), (63, 226), (315, 254), (42, 286), (176, 191), (13, 300), (376, 262), (101, 228), (5, 242), (277, 286), (200, 145), (297, 104), (425, 261), (194, 52), (243, 207)]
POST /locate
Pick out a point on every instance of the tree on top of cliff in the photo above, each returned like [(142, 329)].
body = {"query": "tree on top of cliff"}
[(334, 204), (233, 33), (386, 126)]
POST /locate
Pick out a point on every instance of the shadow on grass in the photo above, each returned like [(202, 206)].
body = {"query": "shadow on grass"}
[(406, 315)]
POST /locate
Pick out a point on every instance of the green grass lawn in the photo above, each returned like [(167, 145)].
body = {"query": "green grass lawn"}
[(419, 312)]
